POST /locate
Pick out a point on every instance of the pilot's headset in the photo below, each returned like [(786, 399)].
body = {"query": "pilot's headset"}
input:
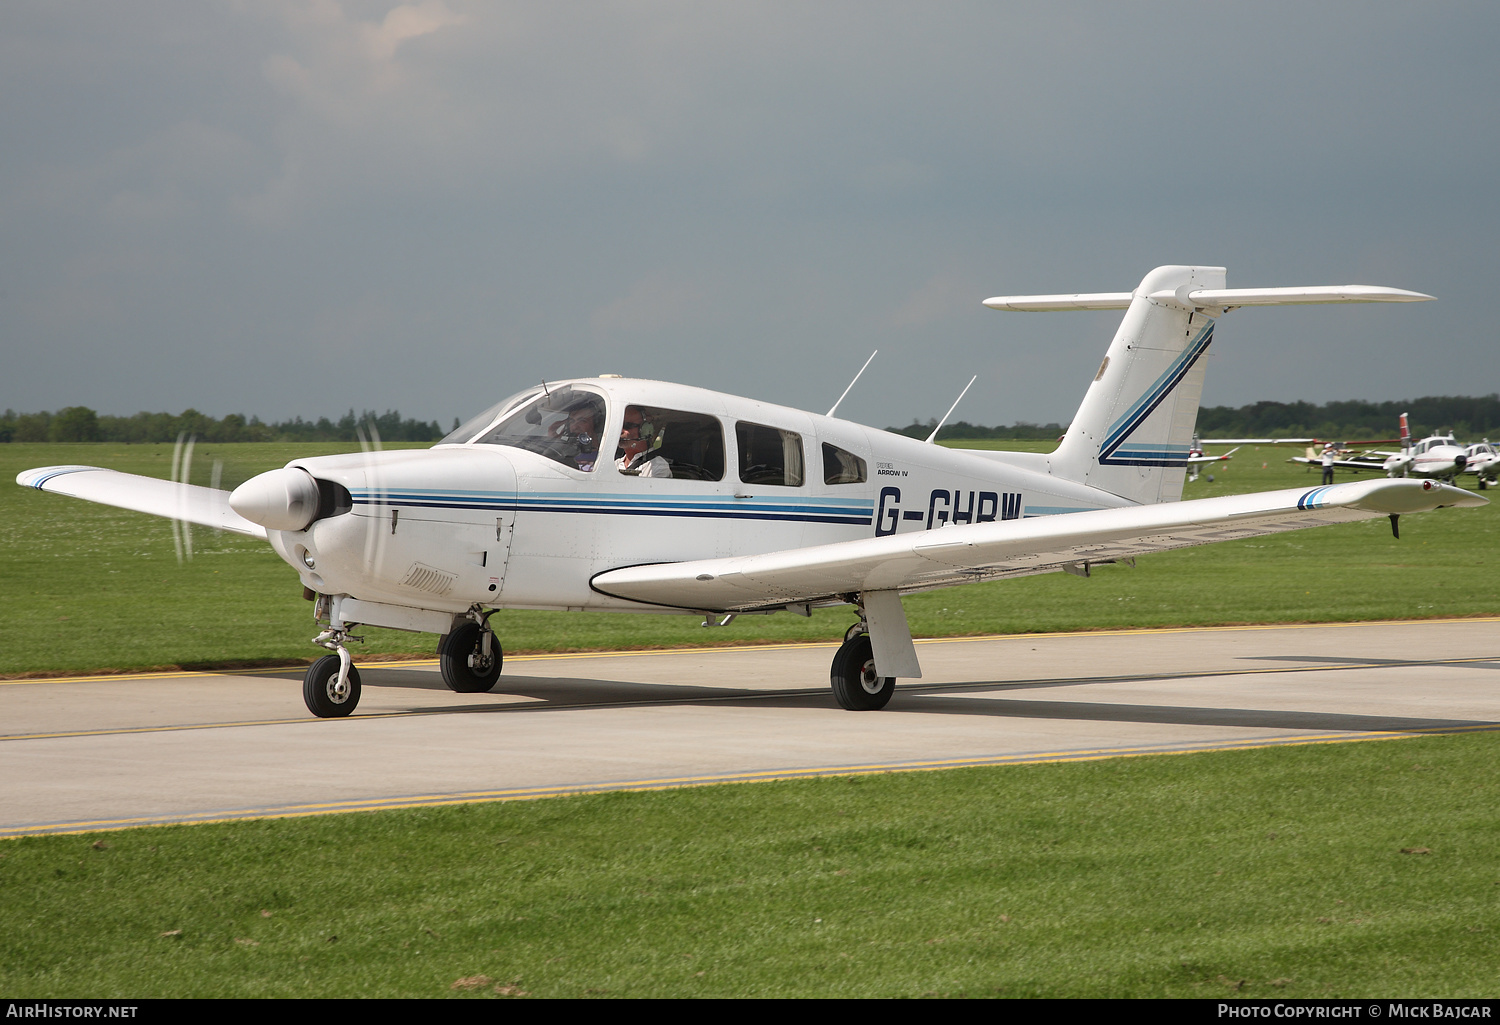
[(648, 428)]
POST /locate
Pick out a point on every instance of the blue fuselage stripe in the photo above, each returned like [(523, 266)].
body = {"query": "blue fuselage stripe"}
[(856, 516), (1146, 405)]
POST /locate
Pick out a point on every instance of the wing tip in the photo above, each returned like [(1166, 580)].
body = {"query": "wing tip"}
[(39, 476)]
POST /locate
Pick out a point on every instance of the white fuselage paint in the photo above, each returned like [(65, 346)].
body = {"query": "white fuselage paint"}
[(471, 524)]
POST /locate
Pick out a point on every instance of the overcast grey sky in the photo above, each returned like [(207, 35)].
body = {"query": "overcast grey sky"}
[(292, 208)]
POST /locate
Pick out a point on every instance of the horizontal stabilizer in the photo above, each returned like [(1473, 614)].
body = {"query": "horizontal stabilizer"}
[(1009, 548), (1210, 298), (1051, 303), (1225, 298), (187, 502)]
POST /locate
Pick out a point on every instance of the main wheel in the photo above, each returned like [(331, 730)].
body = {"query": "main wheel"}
[(320, 689), (855, 683), (465, 669)]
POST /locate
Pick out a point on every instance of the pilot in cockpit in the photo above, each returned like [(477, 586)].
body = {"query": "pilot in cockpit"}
[(636, 456)]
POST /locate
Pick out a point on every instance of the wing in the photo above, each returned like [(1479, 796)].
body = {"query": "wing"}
[(167, 498), (1194, 460), (986, 551)]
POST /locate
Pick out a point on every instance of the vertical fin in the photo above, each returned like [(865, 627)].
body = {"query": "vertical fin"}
[(1134, 429)]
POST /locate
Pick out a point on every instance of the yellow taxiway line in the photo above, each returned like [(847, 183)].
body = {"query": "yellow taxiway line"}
[(676, 782)]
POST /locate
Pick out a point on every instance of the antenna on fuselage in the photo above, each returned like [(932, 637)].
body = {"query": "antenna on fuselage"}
[(933, 435), (852, 383)]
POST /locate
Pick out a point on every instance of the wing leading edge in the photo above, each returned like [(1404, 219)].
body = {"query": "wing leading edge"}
[(986, 551), (189, 502)]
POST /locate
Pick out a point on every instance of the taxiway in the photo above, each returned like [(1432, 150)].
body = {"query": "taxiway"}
[(118, 751)]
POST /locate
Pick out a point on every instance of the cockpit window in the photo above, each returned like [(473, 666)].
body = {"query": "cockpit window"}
[(657, 442), (475, 424), (563, 424), (769, 455)]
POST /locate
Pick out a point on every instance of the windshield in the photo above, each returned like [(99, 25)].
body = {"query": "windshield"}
[(475, 424), (563, 424)]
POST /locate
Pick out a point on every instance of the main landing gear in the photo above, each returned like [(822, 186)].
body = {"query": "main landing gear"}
[(856, 685), (470, 658)]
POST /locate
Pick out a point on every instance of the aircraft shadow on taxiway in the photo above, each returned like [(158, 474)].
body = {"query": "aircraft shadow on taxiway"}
[(571, 693)]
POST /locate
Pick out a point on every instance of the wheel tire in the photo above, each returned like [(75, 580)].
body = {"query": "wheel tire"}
[(317, 689), (453, 657), (855, 685)]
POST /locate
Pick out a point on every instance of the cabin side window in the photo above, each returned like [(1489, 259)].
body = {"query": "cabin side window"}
[(657, 442), (840, 467), (563, 424), (769, 455)]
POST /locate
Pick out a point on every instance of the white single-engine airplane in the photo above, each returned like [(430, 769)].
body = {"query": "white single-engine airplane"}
[(632, 495)]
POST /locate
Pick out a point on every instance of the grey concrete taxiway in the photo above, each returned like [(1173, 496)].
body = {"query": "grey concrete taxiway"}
[(112, 752)]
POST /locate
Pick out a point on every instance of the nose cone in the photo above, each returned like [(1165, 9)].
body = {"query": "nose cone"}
[(285, 499)]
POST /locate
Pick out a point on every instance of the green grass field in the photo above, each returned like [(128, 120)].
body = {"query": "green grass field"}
[(1352, 870), (88, 587)]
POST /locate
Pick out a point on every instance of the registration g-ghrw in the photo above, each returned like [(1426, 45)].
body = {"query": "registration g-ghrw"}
[(614, 494)]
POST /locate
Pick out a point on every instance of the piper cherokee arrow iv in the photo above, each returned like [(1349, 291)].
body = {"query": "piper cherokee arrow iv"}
[(631, 495)]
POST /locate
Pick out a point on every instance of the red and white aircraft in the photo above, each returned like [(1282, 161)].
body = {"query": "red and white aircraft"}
[(633, 495)]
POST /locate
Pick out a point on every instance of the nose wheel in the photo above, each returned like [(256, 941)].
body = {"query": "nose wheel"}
[(326, 695), (856, 685)]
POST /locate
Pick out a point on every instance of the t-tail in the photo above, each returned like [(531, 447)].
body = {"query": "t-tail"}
[(1134, 430)]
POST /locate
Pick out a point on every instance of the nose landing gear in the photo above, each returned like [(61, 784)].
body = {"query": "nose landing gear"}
[(331, 687), (328, 696)]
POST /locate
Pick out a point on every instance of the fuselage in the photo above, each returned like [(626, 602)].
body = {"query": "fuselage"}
[(517, 511)]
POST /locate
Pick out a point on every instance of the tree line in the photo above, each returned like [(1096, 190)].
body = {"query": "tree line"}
[(79, 423), (1468, 418), (1352, 420)]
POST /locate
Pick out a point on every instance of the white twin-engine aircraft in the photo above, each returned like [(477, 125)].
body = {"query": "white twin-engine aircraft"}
[(614, 494)]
